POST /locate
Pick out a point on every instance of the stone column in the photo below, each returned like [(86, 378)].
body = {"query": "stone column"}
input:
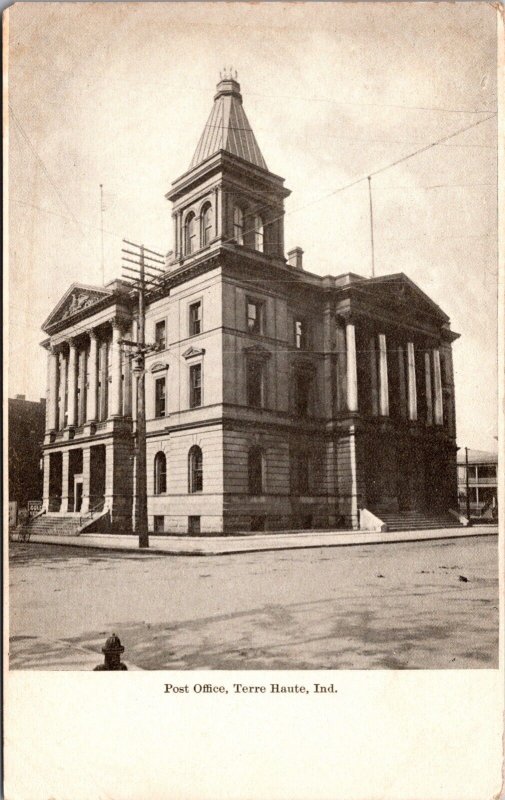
[(176, 237), (109, 476), (102, 411), (429, 399), (52, 397), (352, 368), (91, 404), (180, 236), (412, 382), (217, 203), (72, 384), (373, 377), (65, 458), (86, 478), (82, 386), (401, 381), (437, 375), (115, 394), (383, 372), (45, 481), (127, 385), (62, 372)]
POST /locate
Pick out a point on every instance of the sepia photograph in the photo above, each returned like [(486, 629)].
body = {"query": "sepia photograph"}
[(253, 401), (252, 381)]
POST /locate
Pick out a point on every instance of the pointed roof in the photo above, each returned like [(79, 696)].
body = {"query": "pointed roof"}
[(228, 127)]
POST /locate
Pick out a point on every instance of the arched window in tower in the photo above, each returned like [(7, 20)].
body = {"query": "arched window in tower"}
[(238, 225), (160, 473), (195, 470), (206, 225), (190, 234), (258, 233)]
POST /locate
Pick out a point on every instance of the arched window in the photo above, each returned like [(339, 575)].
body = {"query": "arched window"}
[(206, 225), (255, 470), (195, 470), (160, 473), (190, 234), (258, 233), (238, 225)]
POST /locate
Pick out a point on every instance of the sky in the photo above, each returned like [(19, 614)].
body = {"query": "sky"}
[(118, 94)]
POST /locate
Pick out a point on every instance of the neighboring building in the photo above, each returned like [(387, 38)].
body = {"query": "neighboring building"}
[(482, 483), (277, 398), (26, 435)]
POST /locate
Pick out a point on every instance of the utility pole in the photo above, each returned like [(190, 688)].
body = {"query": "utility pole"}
[(467, 486), (146, 276), (101, 230)]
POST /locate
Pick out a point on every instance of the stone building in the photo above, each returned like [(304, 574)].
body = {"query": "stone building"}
[(276, 398), (26, 434)]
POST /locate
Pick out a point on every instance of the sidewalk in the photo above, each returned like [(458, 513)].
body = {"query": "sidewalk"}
[(252, 543)]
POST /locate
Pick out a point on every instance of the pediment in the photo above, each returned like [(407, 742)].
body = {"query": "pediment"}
[(159, 366), (192, 352), (398, 290), (75, 300)]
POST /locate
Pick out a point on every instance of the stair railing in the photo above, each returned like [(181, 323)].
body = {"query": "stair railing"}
[(100, 506)]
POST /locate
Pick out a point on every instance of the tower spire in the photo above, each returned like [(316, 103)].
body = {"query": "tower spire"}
[(228, 128)]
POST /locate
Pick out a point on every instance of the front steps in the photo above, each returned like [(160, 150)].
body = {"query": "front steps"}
[(55, 525), (417, 520)]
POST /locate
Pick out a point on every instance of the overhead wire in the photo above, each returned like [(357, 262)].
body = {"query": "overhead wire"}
[(260, 208)]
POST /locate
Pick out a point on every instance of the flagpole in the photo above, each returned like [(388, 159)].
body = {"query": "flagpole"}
[(101, 230)]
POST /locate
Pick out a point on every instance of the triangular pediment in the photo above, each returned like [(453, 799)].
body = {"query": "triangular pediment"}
[(402, 292), (159, 366), (192, 352), (75, 300)]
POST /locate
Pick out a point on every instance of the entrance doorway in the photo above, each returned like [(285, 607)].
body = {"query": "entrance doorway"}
[(77, 492)]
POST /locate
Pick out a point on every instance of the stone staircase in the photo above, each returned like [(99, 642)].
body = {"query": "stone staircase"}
[(417, 520), (55, 525)]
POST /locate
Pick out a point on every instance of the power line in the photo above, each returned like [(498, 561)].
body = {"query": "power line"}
[(346, 138), (44, 168), (357, 180), (373, 105)]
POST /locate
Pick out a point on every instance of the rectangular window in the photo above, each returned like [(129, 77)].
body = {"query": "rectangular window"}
[(194, 525), (254, 383), (303, 383), (159, 523), (195, 386), (301, 339), (160, 335), (195, 318), (160, 386), (254, 316)]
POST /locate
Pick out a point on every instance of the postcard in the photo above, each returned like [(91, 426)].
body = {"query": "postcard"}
[(254, 366)]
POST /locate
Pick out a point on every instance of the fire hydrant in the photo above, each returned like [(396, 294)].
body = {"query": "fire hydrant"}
[(112, 655)]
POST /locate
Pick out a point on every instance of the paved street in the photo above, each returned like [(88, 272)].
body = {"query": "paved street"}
[(396, 606)]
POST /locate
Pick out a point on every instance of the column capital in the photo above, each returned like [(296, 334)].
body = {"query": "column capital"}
[(346, 317), (119, 324), (56, 348), (92, 333)]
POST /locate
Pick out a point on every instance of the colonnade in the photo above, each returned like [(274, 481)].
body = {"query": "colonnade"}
[(407, 378), (89, 380)]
